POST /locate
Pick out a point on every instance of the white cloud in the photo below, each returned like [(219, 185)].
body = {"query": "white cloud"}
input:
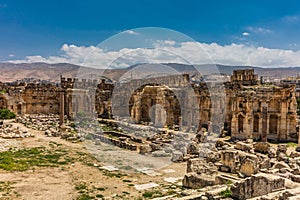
[(131, 32), (259, 30), (173, 52), (246, 34), (11, 55), (162, 43), (291, 19)]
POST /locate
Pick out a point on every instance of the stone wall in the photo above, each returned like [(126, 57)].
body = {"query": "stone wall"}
[(30, 98), (86, 96), (39, 99), (174, 93), (242, 107), (261, 111)]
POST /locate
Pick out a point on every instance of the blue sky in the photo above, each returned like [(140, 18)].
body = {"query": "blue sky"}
[(31, 27)]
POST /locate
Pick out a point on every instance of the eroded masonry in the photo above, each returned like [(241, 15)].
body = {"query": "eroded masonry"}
[(245, 108)]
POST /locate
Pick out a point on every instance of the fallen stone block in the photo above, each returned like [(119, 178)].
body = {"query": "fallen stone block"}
[(257, 185), (243, 146), (261, 147), (199, 166), (248, 167), (194, 181), (230, 159)]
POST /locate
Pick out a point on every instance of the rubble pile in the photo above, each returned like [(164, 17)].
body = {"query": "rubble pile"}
[(9, 131), (183, 146), (158, 142), (48, 123), (248, 169), (169, 144)]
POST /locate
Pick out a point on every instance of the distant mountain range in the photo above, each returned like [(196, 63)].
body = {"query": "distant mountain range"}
[(51, 72)]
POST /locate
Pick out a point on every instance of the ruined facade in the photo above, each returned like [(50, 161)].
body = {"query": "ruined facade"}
[(164, 101), (86, 96), (30, 98), (247, 108), (261, 111)]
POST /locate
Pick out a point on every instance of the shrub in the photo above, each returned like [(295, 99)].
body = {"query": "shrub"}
[(7, 114)]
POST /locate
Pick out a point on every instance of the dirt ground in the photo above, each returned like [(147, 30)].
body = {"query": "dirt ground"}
[(82, 178)]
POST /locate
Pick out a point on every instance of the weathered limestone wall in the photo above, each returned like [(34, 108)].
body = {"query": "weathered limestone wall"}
[(142, 94), (30, 98), (87, 97), (250, 110), (40, 98), (103, 99), (144, 106), (280, 118)]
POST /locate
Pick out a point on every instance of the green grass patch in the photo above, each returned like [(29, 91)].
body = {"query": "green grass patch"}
[(85, 197), (100, 188), (24, 159), (292, 144), (112, 174), (228, 182), (126, 193), (152, 194), (100, 196), (81, 186), (226, 193)]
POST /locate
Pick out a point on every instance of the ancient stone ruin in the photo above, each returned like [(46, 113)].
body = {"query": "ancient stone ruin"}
[(250, 110), (221, 129)]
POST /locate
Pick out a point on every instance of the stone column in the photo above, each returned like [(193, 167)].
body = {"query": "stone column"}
[(282, 121), (61, 108), (264, 123)]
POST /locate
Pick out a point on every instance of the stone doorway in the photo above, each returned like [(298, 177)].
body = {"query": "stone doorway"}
[(273, 124), (19, 109), (240, 123), (256, 124)]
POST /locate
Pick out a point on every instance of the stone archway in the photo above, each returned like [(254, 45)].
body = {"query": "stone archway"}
[(155, 103)]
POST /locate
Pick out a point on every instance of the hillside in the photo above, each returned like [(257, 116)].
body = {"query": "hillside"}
[(51, 72)]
